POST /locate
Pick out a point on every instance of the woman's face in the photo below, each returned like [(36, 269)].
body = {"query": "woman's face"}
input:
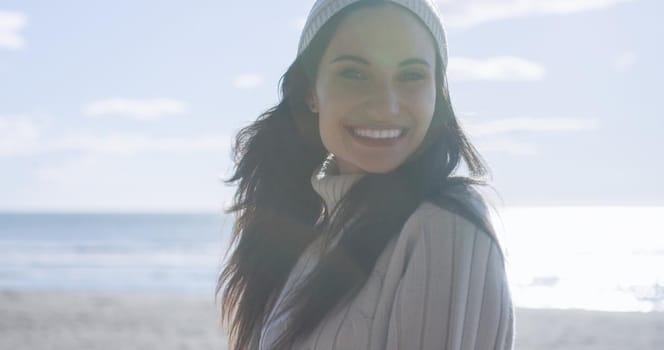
[(375, 89)]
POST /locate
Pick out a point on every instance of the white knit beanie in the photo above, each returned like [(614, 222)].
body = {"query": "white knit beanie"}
[(425, 10)]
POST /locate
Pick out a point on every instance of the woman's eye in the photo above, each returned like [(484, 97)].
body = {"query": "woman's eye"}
[(407, 76), (352, 74)]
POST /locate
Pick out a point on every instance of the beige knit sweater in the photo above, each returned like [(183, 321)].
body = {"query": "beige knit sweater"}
[(440, 284)]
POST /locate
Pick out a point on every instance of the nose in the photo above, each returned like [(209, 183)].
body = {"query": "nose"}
[(383, 102)]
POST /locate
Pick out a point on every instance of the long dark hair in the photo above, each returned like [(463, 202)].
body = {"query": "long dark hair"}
[(278, 213)]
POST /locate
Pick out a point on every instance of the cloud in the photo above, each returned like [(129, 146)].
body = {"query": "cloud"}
[(500, 68), (129, 144), (247, 81), (106, 182), (146, 109), (18, 136), (469, 13), (527, 124), (625, 61), (499, 136), (11, 24), (507, 145), (92, 171)]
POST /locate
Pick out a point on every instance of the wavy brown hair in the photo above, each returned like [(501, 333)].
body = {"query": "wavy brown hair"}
[(278, 213)]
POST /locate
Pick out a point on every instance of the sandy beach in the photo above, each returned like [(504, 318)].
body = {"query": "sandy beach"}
[(41, 320)]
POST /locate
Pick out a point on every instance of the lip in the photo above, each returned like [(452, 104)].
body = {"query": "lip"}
[(376, 126), (377, 143)]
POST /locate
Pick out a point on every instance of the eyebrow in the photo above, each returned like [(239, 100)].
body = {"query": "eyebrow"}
[(359, 59)]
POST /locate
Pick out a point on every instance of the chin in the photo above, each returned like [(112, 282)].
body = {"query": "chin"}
[(379, 167), (369, 163)]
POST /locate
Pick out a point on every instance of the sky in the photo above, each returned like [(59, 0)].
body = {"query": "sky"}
[(132, 105)]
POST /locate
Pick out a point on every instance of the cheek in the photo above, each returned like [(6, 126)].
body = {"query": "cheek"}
[(333, 97), (334, 103), (328, 127), (331, 130), (424, 105)]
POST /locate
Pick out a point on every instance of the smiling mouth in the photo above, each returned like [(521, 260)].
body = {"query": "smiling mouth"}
[(378, 134)]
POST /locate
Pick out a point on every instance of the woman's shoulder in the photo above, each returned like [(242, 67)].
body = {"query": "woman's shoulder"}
[(434, 218), (446, 223), (460, 208)]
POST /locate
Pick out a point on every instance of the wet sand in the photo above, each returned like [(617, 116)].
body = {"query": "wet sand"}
[(50, 320)]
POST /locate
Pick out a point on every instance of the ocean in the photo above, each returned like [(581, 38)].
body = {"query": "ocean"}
[(594, 258), (140, 253)]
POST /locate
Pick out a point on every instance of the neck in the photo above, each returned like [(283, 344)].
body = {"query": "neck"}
[(331, 184)]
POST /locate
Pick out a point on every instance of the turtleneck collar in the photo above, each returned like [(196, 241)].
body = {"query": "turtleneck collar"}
[(330, 184)]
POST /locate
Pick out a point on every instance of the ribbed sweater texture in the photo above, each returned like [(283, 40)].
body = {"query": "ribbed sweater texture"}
[(440, 284)]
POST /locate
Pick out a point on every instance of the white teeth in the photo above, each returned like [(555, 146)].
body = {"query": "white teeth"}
[(378, 133)]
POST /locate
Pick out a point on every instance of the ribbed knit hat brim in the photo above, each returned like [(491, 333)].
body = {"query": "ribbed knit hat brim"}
[(425, 10)]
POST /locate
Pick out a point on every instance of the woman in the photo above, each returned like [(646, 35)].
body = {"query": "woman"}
[(352, 231)]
